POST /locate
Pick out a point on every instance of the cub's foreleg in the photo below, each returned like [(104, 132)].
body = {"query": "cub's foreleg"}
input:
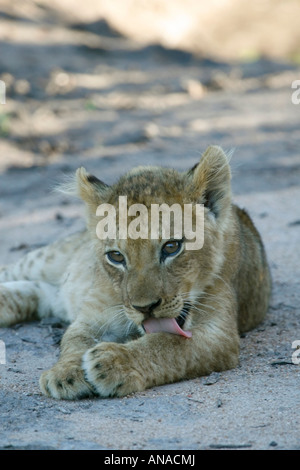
[(160, 358), (156, 359), (66, 380)]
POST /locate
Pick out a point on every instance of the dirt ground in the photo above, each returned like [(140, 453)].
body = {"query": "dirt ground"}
[(84, 91)]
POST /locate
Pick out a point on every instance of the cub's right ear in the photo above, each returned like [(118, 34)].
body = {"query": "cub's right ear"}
[(88, 187)]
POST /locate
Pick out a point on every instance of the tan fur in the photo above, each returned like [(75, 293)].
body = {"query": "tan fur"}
[(105, 350)]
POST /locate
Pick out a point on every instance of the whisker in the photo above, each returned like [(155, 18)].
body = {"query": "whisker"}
[(200, 304), (116, 318), (225, 283), (194, 301)]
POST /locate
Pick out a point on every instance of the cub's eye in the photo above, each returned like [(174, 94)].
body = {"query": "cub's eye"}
[(171, 248), (115, 257)]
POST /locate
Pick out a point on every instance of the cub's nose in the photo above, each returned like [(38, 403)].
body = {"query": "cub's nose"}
[(147, 309)]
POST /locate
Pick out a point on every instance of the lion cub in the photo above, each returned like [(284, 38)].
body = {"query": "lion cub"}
[(145, 311)]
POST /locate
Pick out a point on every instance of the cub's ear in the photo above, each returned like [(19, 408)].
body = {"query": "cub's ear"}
[(88, 187), (210, 181)]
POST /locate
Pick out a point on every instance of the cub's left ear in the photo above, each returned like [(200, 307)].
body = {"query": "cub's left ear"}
[(210, 181)]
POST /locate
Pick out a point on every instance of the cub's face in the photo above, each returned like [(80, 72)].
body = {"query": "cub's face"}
[(159, 277)]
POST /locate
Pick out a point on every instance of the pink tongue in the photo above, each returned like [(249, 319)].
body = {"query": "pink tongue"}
[(166, 325)]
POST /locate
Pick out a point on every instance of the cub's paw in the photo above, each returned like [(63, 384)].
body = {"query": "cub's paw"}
[(65, 381), (112, 370)]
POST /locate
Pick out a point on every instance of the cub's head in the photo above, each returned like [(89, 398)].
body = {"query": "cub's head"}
[(158, 236)]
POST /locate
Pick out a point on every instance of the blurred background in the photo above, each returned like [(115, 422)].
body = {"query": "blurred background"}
[(73, 70), (110, 84)]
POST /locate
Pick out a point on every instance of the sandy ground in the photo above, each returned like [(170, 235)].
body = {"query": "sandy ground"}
[(80, 93)]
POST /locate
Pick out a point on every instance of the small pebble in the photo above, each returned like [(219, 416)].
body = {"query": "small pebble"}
[(273, 444)]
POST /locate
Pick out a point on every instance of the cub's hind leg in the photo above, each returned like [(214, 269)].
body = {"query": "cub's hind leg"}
[(26, 300), (30, 288), (47, 264)]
